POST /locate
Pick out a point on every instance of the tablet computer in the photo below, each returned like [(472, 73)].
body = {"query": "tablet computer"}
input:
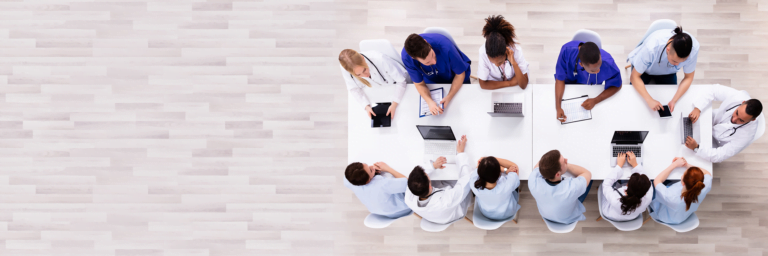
[(381, 119)]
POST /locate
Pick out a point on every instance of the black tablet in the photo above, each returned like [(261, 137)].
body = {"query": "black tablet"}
[(381, 119), (664, 112)]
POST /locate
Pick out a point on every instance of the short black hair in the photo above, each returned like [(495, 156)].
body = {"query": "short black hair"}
[(488, 171), (418, 182), (356, 174), (754, 107), (416, 46), (682, 43), (589, 53)]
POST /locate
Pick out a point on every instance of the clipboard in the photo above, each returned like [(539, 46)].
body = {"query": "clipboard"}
[(575, 112), (422, 104)]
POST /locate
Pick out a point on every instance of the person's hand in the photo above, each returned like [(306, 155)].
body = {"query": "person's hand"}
[(439, 163), (383, 167), (632, 159), (679, 162), (589, 104), (561, 115), (694, 115), (621, 159), (654, 104), (513, 168), (391, 110), (511, 56), (434, 108), (462, 143), (445, 102), (691, 143), (369, 111), (671, 105)]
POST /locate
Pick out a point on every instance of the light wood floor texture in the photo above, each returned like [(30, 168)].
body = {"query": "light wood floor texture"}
[(202, 128)]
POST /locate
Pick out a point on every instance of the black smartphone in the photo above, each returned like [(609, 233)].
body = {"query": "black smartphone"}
[(664, 112)]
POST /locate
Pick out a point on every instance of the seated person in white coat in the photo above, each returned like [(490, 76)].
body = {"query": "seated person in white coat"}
[(625, 201), (440, 202), (559, 199), (369, 69), (501, 58), (495, 187), (657, 60), (675, 201), (733, 124), (380, 194)]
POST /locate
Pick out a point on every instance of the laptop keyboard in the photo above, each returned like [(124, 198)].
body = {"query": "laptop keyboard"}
[(620, 149), (688, 127), (515, 108), (442, 148)]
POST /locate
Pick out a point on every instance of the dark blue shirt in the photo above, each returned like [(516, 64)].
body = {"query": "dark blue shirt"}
[(568, 61), (450, 61)]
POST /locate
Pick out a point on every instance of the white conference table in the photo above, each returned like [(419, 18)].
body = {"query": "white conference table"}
[(401, 146), (587, 143)]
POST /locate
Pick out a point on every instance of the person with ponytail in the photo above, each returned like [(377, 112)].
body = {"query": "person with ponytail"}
[(675, 201), (495, 186), (622, 201), (658, 59), (369, 69), (501, 59)]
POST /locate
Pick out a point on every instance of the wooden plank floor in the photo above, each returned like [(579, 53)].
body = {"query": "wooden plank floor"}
[(219, 127)]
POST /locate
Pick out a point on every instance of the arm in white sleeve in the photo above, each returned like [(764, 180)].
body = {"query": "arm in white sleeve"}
[(395, 72), (459, 191), (355, 90), (716, 92), (728, 150), (607, 187)]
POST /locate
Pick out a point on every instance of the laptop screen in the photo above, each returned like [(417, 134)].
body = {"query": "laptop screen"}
[(436, 132), (629, 137)]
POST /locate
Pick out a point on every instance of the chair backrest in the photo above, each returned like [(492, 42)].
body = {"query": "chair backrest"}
[(760, 127), (629, 225), (485, 223), (657, 25), (586, 35), (689, 224), (434, 227), (560, 228), (383, 46), (442, 31), (378, 221)]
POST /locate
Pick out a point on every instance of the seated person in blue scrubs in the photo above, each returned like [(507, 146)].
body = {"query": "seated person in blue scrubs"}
[(381, 195), (559, 199), (675, 201), (434, 59), (584, 63), (495, 187), (657, 60)]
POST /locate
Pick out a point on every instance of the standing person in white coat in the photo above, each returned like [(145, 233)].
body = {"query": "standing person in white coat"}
[(439, 201), (733, 124), (501, 59), (623, 202), (368, 69)]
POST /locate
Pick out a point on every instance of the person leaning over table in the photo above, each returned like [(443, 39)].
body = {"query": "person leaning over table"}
[(733, 124), (559, 199), (501, 58), (657, 60), (495, 185), (381, 195), (585, 63), (433, 59), (630, 199), (368, 69), (675, 201)]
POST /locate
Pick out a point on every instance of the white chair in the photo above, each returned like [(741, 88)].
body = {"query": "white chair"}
[(442, 31), (560, 228), (629, 225), (760, 127), (434, 227), (381, 45), (586, 35), (689, 224), (658, 25), (379, 221), (483, 222)]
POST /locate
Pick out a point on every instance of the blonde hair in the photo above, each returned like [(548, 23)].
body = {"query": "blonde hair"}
[(349, 59)]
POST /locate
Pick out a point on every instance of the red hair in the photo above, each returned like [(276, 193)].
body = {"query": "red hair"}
[(694, 183)]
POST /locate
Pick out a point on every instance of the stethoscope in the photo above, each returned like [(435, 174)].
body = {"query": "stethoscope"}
[(374, 66), (503, 76), (433, 192), (734, 129), (576, 67), (662, 54), (434, 71)]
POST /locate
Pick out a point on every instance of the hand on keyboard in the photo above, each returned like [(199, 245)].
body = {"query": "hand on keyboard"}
[(691, 143), (439, 163), (632, 159)]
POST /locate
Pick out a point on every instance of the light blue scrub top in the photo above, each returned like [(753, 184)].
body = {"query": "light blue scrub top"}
[(383, 196), (558, 203), (651, 56), (500, 202), (669, 207)]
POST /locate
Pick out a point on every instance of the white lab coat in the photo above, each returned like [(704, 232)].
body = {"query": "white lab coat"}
[(611, 199), (451, 203), (487, 71), (391, 70), (725, 145)]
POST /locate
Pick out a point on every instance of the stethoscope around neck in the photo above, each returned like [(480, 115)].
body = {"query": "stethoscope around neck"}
[(374, 66), (589, 75), (734, 129)]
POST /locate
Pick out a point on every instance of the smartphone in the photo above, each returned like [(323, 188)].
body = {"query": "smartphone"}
[(664, 112)]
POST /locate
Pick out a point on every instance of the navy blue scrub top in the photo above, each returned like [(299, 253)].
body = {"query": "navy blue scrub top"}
[(568, 61), (450, 61)]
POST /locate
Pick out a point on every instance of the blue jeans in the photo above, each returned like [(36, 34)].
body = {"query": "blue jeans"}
[(584, 196)]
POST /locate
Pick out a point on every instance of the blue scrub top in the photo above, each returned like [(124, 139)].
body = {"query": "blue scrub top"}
[(569, 60), (450, 61), (383, 196)]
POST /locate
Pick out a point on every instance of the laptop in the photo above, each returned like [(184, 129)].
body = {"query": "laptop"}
[(624, 141), (511, 109), (686, 129), (438, 141)]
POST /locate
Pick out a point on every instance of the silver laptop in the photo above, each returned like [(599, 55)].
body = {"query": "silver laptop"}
[(624, 141), (686, 129), (513, 109), (438, 141)]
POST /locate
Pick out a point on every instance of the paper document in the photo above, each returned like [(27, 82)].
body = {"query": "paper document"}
[(437, 96), (573, 110)]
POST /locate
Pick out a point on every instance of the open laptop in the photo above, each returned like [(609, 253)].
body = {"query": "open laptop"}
[(512, 109), (686, 129), (438, 141), (624, 141)]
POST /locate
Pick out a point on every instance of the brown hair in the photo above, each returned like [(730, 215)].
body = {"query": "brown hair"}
[(694, 183), (349, 59), (488, 171), (356, 174), (498, 34), (549, 165), (416, 46), (637, 187), (418, 182)]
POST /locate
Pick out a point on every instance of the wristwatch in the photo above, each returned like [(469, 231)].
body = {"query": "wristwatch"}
[(696, 150)]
